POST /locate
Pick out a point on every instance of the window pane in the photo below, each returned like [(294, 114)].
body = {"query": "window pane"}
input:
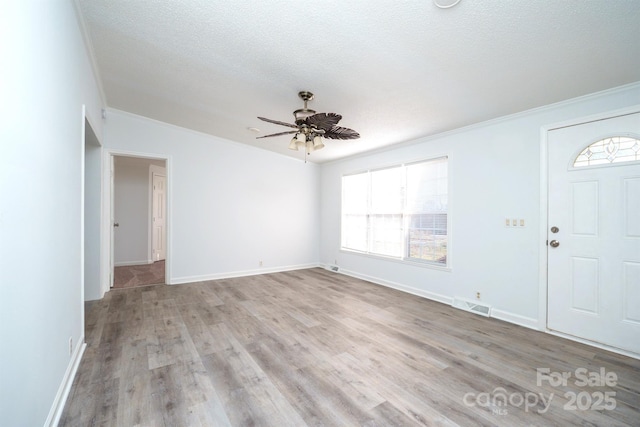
[(427, 202), (354, 232), (386, 234), (354, 193), (385, 220), (610, 150), (427, 186), (355, 190), (427, 238), (386, 191)]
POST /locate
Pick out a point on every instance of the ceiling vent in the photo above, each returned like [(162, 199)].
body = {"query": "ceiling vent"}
[(472, 306)]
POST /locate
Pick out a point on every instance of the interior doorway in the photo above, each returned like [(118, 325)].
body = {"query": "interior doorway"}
[(139, 246), (92, 213)]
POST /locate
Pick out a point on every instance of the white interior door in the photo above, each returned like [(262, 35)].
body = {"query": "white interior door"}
[(594, 232), (159, 233)]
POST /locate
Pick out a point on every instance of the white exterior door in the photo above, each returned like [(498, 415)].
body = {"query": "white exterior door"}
[(594, 232), (159, 234)]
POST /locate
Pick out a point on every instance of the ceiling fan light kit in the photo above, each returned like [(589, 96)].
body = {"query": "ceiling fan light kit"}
[(311, 127)]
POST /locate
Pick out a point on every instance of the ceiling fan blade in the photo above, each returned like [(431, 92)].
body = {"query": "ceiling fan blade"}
[(277, 122), (324, 120), (277, 134), (338, 132)]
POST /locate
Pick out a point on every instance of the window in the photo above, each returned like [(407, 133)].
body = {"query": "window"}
[(398, 212), (615, 149)]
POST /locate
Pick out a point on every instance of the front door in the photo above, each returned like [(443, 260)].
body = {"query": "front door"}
[(594, 231)]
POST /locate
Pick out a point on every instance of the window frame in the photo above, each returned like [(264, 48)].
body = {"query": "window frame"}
[(405, 257)]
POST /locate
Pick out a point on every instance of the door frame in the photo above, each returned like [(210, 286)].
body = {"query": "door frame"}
[(543, 290), (107, 228)]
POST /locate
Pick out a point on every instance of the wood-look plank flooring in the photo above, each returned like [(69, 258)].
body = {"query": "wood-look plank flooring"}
[(315, 348)]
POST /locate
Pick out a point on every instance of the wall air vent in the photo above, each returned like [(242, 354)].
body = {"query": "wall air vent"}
[(472, 306), (333, 268)]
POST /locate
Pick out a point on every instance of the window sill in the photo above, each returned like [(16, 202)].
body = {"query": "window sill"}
[(422, 264)]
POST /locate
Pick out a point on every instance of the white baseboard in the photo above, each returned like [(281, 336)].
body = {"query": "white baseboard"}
[(127, 263), (517, 319), (65, 387), (408, 289), (241, 273)]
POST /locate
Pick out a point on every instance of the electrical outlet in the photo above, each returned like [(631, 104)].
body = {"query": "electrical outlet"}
[(70, 346), (477, 295), (260, 263)]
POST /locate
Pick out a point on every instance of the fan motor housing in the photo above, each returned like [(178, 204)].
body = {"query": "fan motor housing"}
[(305, 95)]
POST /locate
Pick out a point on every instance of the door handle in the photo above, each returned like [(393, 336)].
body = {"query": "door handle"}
[(554, 243), (116, 224)]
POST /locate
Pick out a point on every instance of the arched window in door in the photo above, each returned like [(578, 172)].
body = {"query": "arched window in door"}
[(613, 149)]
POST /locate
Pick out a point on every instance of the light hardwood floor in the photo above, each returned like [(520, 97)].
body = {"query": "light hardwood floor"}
[(316, 348)]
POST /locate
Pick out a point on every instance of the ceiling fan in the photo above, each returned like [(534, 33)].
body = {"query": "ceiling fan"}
[(310, 127)]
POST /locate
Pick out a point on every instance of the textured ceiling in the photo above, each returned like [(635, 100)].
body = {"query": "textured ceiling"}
[(395, 70)]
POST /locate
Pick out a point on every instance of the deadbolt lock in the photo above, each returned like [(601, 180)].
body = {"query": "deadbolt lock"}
[(554, 229)]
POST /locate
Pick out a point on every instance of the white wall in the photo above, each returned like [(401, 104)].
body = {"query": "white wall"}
[(132, 210), (230, 205), (46, 78), (495, 174)]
